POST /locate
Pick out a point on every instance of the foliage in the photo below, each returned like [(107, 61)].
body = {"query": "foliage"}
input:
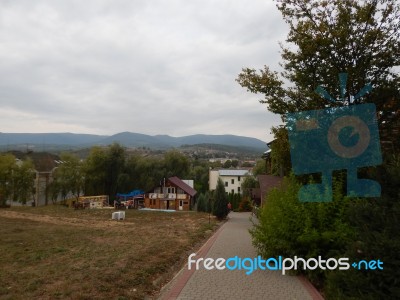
[(69, 177), (115, 163), (280, 152), (361, 38), (234, 199), (23, 181), (330, 37), (245, 204), (250, 182), (377, 237), (144, 172), (110, 170), (291, 228), (227, 164), (7, 164), (176, 164), (203, 202), (199, 173), (235, 163), (327, 38), (16, 179), (220, 204), (95, 172), (259, 168)]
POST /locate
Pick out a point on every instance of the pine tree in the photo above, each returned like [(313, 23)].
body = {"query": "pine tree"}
[(220, 208)]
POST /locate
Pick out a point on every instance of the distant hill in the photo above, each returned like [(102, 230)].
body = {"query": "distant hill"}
[(127, 139)]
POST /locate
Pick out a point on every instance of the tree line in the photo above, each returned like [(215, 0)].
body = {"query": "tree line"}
[(111, 170), (105, 171)]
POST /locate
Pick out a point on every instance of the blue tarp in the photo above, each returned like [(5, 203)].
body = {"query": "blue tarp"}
[(132, 194)]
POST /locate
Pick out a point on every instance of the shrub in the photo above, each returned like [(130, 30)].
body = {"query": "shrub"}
[(245, 205), (376, 226), (289, 228)]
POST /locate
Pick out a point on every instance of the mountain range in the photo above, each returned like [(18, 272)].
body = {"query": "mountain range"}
[(128, 139)]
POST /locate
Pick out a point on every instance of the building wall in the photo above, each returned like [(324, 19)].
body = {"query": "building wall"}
[(213, 176), (158, 201), (231, 182)]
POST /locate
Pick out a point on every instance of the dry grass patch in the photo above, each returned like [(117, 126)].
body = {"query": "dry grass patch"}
[(55, 252)]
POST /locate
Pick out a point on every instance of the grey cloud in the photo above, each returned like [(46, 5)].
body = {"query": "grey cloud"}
[(156, 67)]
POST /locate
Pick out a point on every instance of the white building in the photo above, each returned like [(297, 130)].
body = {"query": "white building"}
[(231, 178)]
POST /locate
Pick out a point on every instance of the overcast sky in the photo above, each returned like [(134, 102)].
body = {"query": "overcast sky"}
[(150, 66)]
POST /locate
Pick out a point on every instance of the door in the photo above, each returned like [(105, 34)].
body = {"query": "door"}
[(180, 204)]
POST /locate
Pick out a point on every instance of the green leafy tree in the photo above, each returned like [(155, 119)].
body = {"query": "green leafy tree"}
[(69, 176), (259, 168), (249, 183), (203, 202), (132, 170), (235, 163), (24, 177), (115, 163), (104, 169), (220, 205), (227, 164), (199, 173), (95, 172), (55, 189), (280, 152), (361, 38), (7, 165), (176, 164), (149, 172)]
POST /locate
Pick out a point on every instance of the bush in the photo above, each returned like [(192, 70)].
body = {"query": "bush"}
[(245, 205), (289, 228), (377, 228), (360, 229)]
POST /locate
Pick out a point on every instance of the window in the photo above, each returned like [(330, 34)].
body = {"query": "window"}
[(238, 178), (226, 183), (238, 189), (232, 191), (232, 181)]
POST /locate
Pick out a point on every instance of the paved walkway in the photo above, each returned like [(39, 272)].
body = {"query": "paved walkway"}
[(233, 239)]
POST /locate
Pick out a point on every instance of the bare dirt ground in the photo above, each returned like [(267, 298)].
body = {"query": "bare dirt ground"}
[(58, 253)]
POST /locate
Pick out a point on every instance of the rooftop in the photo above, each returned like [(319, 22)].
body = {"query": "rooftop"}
[(233, 172), (179, 183)]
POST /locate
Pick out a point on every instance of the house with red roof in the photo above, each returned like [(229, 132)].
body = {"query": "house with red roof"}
[(173, 194)]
